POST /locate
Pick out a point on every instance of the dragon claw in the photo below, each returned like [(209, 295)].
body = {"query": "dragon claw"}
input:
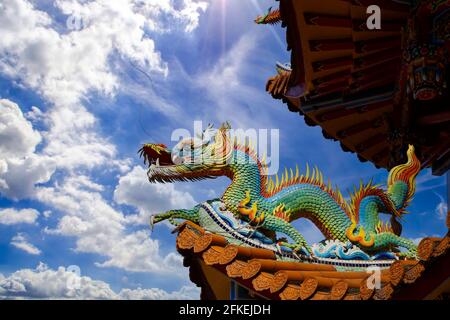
[(410, 254)]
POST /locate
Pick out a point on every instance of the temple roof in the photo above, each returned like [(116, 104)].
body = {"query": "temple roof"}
[(258, 270), (347, 79)]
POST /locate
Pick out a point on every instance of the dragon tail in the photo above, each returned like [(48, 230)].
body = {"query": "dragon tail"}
[(406, 173), (398, 195)]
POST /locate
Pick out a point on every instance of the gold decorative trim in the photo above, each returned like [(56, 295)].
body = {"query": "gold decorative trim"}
[(251, 270), (308, 288), (212, 256), (413, 273), (263, 281), (235, 269), (339, 290), (385, 293), (291, 292)]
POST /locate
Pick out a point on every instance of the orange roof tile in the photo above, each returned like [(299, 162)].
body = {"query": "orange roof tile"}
[(259, 271)]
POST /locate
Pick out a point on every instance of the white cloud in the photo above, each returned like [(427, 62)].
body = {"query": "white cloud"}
[(185, 293), (10, 216), (441, 208), (20, 167), (72, 141), (35, 114), (47, 213), (46, 283), (135, 190), (17, 137), (170, 14), (99, 228), (228, 84), (20, 242), (43, 283), (65, 66), (137, 252), (22, 175)]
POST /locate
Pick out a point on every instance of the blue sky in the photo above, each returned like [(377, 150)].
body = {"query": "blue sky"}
[(76, 106)]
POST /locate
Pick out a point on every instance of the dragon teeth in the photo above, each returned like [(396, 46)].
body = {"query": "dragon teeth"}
[(157, 162)]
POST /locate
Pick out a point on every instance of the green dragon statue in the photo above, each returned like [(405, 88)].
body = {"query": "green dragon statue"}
[(271, 204)]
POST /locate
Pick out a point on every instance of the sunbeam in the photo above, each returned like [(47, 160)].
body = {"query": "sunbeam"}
[(277, 37)]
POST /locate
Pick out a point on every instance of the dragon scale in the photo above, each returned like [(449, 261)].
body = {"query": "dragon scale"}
[(271, 204)]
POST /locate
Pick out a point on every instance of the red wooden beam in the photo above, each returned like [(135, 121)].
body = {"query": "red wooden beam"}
[(386, 26), (378, 71), (366, 46), (367, 61), (365, 85), (436, 152), (332, 78), (371, 142), (327, 20), (326, 89), (332, 63), (331, 45), (384, 4), (373, 64), (436, 118), (380, 155), (343, 112), (360, 127)]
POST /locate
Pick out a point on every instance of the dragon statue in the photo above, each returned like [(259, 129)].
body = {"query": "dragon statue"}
[(271, 17), (256, 206)]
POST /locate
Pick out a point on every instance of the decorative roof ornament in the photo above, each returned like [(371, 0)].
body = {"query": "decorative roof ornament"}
[(255, 207), (271, 17), (283, 67)]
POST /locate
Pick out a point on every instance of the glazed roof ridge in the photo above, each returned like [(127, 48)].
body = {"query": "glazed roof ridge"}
[(258, 270)]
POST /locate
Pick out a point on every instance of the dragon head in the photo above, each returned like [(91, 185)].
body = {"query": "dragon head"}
[(206, 156)]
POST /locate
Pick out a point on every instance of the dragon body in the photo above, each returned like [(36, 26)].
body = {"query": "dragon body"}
[(271, 204)]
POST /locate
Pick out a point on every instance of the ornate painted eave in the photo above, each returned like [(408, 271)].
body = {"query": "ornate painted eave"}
[(349, 81), (267, 278)]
